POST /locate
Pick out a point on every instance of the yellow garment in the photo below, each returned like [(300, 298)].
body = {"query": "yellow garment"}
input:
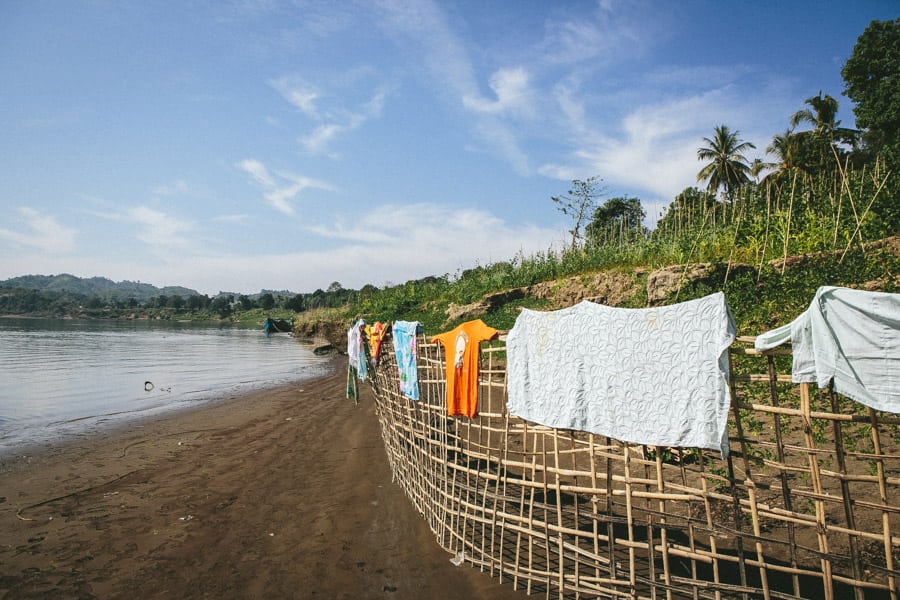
[(375, 335), (461, 354)]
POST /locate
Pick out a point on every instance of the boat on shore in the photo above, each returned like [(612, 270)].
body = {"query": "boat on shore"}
[(271, 325)]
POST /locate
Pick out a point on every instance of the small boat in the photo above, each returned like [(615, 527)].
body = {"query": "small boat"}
[(271, 325), (324, 350)]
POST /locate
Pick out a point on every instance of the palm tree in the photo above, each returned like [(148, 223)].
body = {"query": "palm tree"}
[(787, 149), (821, 115), (820, 145), (728, 168)]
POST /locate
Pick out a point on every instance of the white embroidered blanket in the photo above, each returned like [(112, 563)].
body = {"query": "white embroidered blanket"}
[(850, 336), (655, 376)]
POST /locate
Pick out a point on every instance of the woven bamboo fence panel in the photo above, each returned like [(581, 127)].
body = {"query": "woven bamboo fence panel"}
[(804, 506)]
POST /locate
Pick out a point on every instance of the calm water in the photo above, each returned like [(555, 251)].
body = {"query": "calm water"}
[(62, 378)]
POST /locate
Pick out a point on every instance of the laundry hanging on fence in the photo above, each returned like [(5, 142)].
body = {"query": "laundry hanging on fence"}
[(461, 355), (654, 376), (850, 337), (375, 335), (404, 334), (355, 350)]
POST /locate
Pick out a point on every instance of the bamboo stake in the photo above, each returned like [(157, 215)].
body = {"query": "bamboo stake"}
[(787, 232), (885, 517), (783, 473), (827, 579)]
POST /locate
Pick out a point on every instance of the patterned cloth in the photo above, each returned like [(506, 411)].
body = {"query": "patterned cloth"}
[(851, 337), (405, 349), (375, 334), (654, 376)]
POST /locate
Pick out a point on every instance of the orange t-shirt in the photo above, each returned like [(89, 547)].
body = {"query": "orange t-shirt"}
[(461, 353)]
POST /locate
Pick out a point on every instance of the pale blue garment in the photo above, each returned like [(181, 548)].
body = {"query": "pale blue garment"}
[(404, 334), (655, 376), (851, 337), (356, 351)]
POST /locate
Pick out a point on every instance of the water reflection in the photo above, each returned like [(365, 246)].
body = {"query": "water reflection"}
[(57, 376)]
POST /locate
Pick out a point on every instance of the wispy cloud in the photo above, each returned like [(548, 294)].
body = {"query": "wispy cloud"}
[(512, 90), (280, 189), (423, 29), (175, 188), (299, 93), (335, 115), (160, 230), (446, 239), (41, 232)]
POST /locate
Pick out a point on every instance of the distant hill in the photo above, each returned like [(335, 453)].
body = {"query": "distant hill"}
[(100, 287)]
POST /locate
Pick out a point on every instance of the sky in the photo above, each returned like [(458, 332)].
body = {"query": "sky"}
[(285, 145)]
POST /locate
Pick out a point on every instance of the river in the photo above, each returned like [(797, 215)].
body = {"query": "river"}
[(64, 378)]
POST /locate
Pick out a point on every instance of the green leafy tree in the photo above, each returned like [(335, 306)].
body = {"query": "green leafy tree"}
[(727, 167), (246, 302), (872, 81), (295, 303), (619, 219), (221, 305), (197, 302), (266, 301), (579, 203), (175, 301)]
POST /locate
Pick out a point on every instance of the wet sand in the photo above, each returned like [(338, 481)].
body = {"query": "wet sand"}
[(283, 493)]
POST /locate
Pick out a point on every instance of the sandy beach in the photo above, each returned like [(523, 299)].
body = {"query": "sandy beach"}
[(283, 493)]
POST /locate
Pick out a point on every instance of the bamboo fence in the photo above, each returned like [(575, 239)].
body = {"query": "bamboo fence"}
[(802, 508)]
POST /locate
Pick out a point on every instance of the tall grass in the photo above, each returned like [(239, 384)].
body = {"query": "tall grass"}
[(831, 215)]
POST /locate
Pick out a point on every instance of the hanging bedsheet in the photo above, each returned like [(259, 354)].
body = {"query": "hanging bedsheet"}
[(655, 376), (851, 337)]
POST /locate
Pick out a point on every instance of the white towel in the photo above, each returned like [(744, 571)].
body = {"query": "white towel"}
[(655, 376), (851, 337)]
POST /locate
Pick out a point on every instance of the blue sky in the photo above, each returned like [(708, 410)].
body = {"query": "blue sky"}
[(236, 146)]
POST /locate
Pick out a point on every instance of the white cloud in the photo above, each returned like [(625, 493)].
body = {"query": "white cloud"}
[(280, 193), (257, 170), (177, 187), (512, 90), (41, 232), (335, 117), (318, 141), (237, 218), (160, 230), (429, 239), (502, 139), (299, 93)]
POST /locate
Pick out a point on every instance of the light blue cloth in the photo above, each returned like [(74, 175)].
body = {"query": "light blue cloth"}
[(851, 337), (356, 350), (404, 335), (655, 376)]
